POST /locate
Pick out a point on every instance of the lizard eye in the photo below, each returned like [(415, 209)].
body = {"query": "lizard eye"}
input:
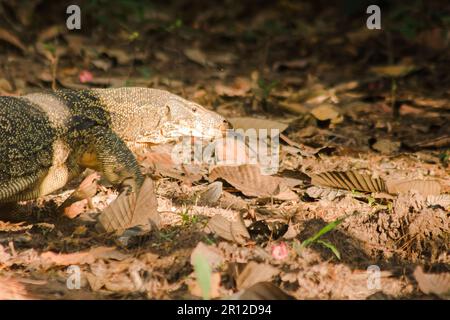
[(168, 112), (194, 109)]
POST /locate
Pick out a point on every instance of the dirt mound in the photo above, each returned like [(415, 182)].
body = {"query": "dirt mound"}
[(410, 231)]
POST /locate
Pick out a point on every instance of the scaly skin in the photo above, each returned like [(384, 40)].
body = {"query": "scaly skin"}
[(49, 138)]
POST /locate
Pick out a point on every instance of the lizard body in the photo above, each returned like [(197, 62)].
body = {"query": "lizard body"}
[(46, 139)]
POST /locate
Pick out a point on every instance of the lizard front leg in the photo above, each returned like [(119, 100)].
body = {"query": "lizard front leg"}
[(109, 155)]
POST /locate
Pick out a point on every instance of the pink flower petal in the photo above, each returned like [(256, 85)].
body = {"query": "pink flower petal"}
[(85, 76), (280, 251)]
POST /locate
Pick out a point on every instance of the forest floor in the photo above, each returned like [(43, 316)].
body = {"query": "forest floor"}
[(345, 98)]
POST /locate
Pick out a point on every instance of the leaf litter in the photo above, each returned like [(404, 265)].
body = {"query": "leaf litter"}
[(339, 131)]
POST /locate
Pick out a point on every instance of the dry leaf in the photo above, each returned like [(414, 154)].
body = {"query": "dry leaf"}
[(293, 107), (211, 254), (25, 13), (326, 112), (198, 56), (232, 150), (76, 202), (292, 64), (102, 64), (351, 180), (49, 259), (5, 86), (263, 291), (348, 180), (50, 33), (223, 57), (73, 210), (88, 187), (229, 230), (361, 35), (159, 162), (239, 88), (128, 210), (438, 284), (442, 200), (386, 146), (120, 283), (211, 194), (435, 38), (255, 272), (302, 149), (322, 193), (76, 43), (214, 292), (440, 142), (161, 56), (249, 180), (80, 231), (246, 123), (424, 187), (6, 226), (11, 289), (122, 57), (394, 71), (230, 201), (12, 39)]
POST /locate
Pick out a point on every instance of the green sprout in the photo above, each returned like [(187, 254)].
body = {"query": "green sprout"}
[(203, 273), (316, 238)]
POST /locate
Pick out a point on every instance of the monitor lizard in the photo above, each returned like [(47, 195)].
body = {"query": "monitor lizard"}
[(47, 139)]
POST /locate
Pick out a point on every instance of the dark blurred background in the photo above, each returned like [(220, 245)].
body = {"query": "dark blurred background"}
[(187, 45)]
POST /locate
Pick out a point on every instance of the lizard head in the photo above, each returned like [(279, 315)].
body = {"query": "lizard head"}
[(180, 117)]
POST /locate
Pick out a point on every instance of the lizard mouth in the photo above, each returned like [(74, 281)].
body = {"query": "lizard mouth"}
[(202, 133), (172, 133)]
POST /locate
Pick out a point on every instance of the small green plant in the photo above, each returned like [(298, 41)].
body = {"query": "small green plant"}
[(145, 72), (177, 24), (209, 240), (50, 48), (316, 238), (133, 36), (390, 207), (203, 273), (168, 235), (371, 200), (444, 157), (186, 218), (265, 88)]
